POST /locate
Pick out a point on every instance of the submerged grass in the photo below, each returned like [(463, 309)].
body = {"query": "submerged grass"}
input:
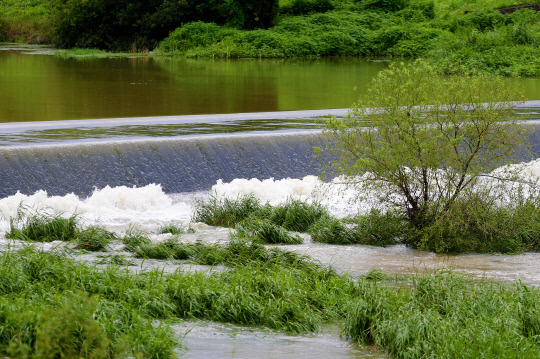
[(42, 227)]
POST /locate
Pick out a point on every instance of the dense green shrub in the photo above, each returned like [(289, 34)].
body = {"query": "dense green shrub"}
[(140, 24), (193, 35), (304, 7), (384, 5)]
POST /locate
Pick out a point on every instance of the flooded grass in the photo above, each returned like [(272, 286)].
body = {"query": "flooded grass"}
[(172, 228), (265, 231), (54, 306), (42, 228), (447, 316)]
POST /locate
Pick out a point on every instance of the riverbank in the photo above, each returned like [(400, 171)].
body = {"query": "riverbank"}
[(455, 36)]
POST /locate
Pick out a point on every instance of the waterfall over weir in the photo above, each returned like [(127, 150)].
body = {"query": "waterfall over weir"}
[(181, 153), (180, 164)]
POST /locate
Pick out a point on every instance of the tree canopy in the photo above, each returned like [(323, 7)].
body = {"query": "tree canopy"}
[(422, 142)]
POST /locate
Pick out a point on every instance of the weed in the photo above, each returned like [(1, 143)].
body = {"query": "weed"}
[(94, 238), (264, 231), (225, 212), (172, 229), (43, 228)]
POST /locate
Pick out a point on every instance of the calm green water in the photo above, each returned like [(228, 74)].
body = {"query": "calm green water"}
[(43, 87), (36, 85)]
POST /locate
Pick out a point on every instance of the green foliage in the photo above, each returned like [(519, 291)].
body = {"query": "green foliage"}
[(431, 138), (169, 249), (134, 238), (296, 215), (447, 316), (42, 228), (140, 24), (478, 226), (384, 5), (94, 238), (53, 307), (375, 228), (265, 231), (172, 229), (332, 231), (305, 7), (378, 228), (225, 212)]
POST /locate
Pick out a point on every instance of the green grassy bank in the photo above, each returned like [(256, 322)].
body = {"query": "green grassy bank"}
[(454, 35)]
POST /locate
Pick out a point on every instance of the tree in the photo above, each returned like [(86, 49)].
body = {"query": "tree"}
[(423, 142)]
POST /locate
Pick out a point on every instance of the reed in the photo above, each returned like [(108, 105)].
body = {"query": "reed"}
[(446, 315)]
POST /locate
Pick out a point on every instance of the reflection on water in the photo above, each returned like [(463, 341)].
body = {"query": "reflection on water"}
[(44, 88)]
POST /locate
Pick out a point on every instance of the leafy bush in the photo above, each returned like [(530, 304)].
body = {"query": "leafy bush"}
[(304, 7), (384, 5), (140, 24)]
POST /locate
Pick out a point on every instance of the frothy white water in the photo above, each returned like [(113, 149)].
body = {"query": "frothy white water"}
[(148, 207), (116, 208)]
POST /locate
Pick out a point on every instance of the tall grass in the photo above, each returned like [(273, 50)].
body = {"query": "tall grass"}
[(52, 306), (448, 316), (42, 228)]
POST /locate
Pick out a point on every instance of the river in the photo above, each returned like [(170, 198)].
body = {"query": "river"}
[(135, 142)]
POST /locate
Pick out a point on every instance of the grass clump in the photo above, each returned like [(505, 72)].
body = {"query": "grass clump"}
[(265, 231), (169, 249), (225, 212), (375, 228), (331, 231), (42, 228), (171, 228), (447, 316), (296, 215), (94, 239), (133, 239)]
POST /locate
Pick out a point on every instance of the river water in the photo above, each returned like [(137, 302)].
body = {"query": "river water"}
[(135, 142)]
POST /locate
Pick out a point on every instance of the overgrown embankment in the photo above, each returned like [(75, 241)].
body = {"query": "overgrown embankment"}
[(455, 35)]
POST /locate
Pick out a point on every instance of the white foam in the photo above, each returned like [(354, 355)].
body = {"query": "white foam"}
[(116, 208), (148, 207)]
